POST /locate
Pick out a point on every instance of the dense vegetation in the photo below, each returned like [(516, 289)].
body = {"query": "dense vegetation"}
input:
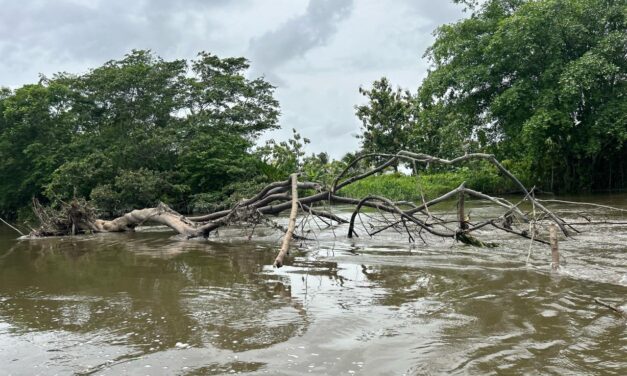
[(540, 84), (132, 132), (427, 186)]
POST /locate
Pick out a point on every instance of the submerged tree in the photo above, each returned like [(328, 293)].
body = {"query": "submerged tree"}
[(313, 201)]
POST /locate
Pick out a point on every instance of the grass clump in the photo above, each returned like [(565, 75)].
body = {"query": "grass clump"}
[(403, 187)]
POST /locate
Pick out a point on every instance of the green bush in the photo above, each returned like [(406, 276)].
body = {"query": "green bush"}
[(138, 189), (402, 187)]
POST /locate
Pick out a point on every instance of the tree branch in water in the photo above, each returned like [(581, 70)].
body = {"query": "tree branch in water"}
[(78, 217)]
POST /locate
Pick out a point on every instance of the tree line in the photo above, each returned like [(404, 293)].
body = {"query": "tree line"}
[(540, 84), (133, 131)]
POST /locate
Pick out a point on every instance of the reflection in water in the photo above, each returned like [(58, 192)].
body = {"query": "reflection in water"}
[(145, 303), (110, 292)]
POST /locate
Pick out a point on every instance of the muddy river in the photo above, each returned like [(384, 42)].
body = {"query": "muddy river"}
[(148, 304)]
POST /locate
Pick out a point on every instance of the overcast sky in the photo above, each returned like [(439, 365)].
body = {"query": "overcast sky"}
[(317, 52)]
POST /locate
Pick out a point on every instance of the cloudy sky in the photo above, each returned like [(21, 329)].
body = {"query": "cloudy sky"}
[(317, 52)]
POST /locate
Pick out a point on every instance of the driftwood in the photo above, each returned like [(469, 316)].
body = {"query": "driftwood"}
[(275, 198)]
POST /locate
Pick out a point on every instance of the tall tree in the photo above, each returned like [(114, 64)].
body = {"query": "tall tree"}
[(34, 126), (128, 133), (543, 82), (386, 118)]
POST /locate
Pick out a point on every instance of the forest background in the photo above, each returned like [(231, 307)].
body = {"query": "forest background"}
[(540, 84)]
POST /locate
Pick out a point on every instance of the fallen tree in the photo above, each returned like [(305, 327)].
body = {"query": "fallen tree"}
[(407, 218)]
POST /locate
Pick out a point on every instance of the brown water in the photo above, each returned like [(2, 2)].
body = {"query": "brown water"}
[(148, 304)]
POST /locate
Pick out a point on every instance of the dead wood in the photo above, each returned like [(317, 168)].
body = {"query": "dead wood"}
[(586, 204), (408, 218), (555, 253), (278, 262), (12, 227), (461, 215)]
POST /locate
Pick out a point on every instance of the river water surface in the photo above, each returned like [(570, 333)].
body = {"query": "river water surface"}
[(148, 304)]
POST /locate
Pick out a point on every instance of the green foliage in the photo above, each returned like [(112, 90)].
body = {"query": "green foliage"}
[(399, 187), (138, 188), (540, 81), (34, 126), (227, 196), (279, 159), (393, 186), (282, 158), (212, 159), (132, 132), (386, 118)]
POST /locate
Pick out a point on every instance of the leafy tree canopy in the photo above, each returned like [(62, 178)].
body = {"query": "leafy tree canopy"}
[(543, 81), (178, 127), (386, 118), (540, 83)]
